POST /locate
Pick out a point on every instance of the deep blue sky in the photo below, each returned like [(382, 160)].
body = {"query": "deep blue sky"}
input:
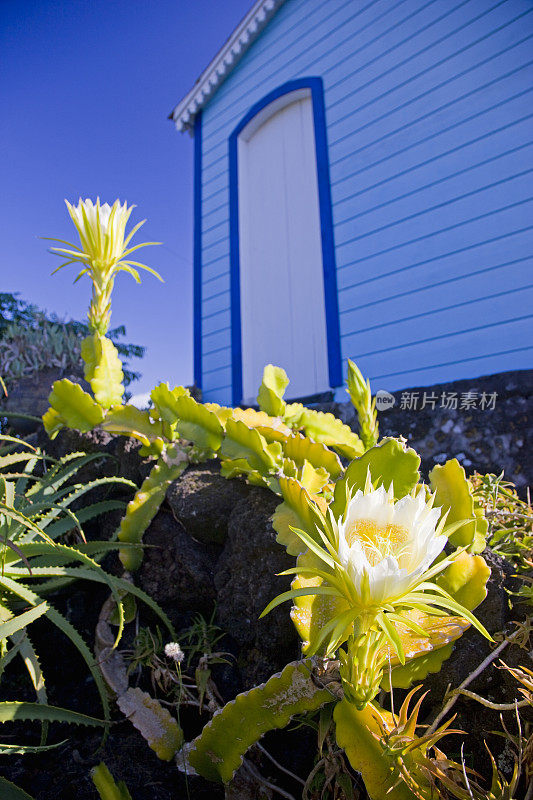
[(86, 89)]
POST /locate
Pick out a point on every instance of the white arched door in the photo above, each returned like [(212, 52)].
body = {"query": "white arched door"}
[(283, 318)]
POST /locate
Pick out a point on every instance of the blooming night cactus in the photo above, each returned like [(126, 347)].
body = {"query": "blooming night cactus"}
[(103, 253)]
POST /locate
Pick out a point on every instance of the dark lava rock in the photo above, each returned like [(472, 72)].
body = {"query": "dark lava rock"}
[(469, 652), (482, 438), (203, 500), (246, 582), (177, 571), (29, 395), (495, 613)]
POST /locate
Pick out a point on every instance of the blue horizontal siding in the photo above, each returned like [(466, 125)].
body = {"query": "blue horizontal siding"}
[(430, 139)]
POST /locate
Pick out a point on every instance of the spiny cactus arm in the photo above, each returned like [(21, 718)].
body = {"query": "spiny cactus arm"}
[(143, 508), (297, 511), (71, 407), (331, 431), (242, 442), (268, 426), (423, 654), (103, 369), (106, 786), (361, 397), (389, 462), (12, 792), (131, 421), (154, 722), (164, 400), (217, 753), (454, 494), (197, 424), (272, 389), (360, 734), (466, 579), (301, 449)]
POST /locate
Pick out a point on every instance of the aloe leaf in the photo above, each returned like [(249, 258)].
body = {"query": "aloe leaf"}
[(16, 458), (103, 369), (15, 624), (389, 462), (91, 575), (22, 750), (60, 472), (11, 792), (29, 656), (131, 421), (454, 494), (63, 526), (272, 389), (217, 753), (12, 710), (143, 508), (71, 407), (68, 629)]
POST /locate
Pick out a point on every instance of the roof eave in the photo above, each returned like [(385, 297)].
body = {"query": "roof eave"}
[(224, 62)]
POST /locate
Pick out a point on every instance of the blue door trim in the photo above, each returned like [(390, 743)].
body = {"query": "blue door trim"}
[(197, 251), (326, 225)]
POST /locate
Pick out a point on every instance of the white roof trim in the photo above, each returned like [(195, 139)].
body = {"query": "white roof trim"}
[(226, 59)]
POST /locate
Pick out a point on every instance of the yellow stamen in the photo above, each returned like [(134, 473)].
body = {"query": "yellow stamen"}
[(378, 541)]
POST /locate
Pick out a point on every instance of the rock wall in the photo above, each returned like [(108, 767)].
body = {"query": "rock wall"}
[(486, 423)]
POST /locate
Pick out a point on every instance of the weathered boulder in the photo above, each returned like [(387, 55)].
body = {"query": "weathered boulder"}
[(177, 571), (460, 420), (202, 500), (246, 581)]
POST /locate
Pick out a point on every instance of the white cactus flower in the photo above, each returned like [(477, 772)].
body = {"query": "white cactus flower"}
[(376, 562), (104, 252), (386, 546)]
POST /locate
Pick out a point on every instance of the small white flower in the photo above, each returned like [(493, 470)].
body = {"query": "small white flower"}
[(174, 651), (386, 546)]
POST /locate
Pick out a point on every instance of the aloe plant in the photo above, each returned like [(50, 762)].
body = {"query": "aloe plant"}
[(36, 496)]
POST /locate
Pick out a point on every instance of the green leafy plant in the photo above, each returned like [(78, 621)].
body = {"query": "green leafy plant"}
[(37, 496), (32, 340), (106, 786)]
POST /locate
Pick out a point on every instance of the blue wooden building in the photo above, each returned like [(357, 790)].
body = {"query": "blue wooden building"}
[(364, 189)]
